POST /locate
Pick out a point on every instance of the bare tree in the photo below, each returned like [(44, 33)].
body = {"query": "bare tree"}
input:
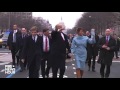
[(98, 20), (21, 22)]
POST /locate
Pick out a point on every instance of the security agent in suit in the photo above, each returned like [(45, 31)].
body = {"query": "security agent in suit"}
[(107, 47), (92, 52), (46, 45), (33, 51), (11, 43), (58, 51), (117, 45), (20, 44)]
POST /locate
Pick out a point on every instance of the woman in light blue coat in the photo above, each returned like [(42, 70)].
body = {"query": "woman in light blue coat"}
[(78, 48)]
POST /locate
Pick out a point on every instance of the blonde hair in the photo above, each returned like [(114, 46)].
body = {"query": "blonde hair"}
[(34, 28)]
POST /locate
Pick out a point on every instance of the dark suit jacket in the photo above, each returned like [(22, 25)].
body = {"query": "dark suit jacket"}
[(58, 49), (32, 49), (20, 44), (106, 56), (10, 39), (92, 49), (117, 45)]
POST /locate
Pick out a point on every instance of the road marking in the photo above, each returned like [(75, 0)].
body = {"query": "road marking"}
[(74, 68), (112, 61), (115, 61), (4, 54), (4, 63), (9, 76), (73, 64), (3, 70), (74, 72), (65, 76), (66, 67), (73, 59), (50, 76)]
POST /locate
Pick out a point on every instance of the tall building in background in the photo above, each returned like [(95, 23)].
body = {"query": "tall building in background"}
[(24, 15)]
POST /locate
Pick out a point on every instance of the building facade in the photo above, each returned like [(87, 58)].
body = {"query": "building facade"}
[(24, 15)]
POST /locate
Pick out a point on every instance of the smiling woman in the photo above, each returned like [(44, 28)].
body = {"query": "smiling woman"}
[(69, 18)]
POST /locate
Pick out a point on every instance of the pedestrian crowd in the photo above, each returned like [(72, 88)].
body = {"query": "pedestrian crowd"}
[(35, 52)]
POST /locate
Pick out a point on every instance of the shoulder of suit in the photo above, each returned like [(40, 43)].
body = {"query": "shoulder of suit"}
[(102, 38), (54, 32), (11, 32), (64, 34), (29, 36), (18, 31), (40, 36), (96, 35), (112, 37)]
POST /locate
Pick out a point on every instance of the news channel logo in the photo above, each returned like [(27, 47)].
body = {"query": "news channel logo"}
[(9, 69)]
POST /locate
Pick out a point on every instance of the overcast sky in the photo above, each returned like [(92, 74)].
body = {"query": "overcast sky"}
[(69, 18)]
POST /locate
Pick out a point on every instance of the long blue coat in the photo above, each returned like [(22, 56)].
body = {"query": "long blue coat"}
[(78, 47)]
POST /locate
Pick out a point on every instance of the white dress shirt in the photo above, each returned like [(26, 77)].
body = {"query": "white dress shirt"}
[(63, 36), (14, 32), (108, 38), (44, 43), (35, 38)]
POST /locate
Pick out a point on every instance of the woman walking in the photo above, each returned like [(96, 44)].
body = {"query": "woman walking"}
[(78, 48)]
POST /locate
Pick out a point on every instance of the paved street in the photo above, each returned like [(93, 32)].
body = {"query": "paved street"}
[(3, 50), (5, 59)]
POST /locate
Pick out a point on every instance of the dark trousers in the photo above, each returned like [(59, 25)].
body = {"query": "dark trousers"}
[(102, 69), (55, 71), (116, 53), (23, 64), (45, 68), (34, 67), (14, 51), (93, 63)]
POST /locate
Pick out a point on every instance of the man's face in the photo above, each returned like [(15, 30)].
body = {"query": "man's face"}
[(34, 33), (46, 33), (107, 32), (58, 26), (14, 27), (23, 31)]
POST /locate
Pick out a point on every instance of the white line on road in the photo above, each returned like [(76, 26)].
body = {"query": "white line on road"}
[(74, 72), (4, 53), (74, 68), (112, 61), (2, 70), (73, 59), (66, 67), (115, 61), (73, 64), (50, 75), (4, 63)]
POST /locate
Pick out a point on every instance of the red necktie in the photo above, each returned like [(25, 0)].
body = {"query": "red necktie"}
[(46, 49), (107, 40)]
